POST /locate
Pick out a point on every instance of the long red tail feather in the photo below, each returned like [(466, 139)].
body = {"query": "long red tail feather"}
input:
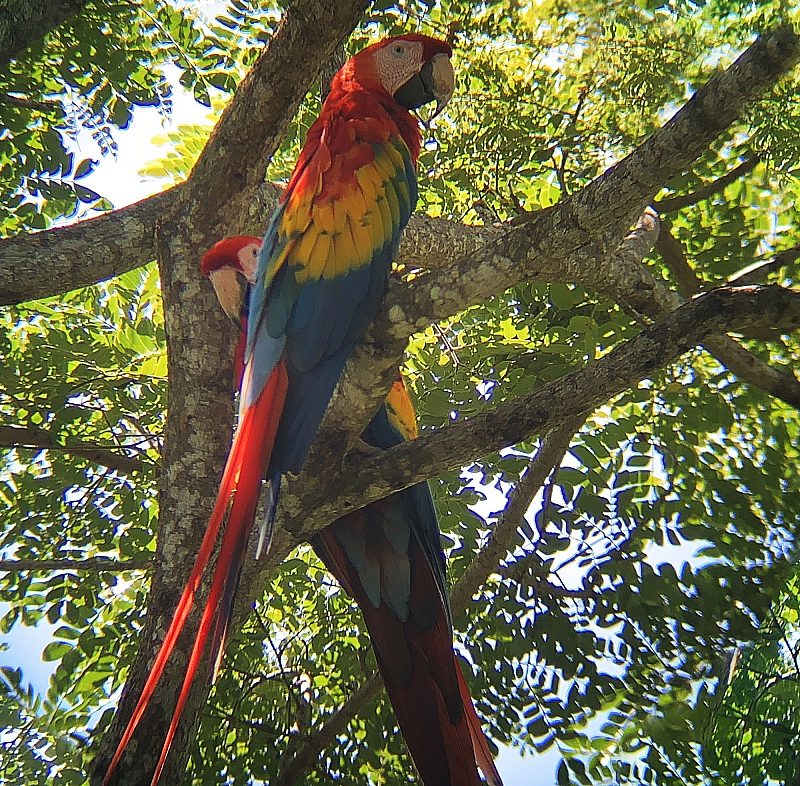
[(483, 756), (439, 733), (241, 479)]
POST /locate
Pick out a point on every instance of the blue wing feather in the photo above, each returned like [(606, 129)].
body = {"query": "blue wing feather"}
[(321, 274)]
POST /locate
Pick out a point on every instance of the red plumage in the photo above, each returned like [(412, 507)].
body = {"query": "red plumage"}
[(413, 644), (321, 275), (254, 437)]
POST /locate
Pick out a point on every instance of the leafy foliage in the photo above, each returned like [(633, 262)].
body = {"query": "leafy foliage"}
[(79, 85), (663, 541), (753, 730)]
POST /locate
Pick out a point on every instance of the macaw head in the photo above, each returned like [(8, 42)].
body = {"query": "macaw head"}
[(414, 69), (229, 263)]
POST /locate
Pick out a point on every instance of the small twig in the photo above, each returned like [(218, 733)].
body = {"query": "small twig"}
[(25, 437), (448, 345), (758, 271), (95, 564), (29, 103), (779, 625), (673, 204), (325, 734), (572, 120)]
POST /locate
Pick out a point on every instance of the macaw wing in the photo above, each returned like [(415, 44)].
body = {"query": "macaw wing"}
[(323, 268), (328, 249), (402, 419)]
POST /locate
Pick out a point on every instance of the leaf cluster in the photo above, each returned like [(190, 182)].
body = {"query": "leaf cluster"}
[(662, 542)]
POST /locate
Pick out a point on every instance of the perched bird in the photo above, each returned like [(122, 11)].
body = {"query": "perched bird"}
[(388, 557), (320, 277)]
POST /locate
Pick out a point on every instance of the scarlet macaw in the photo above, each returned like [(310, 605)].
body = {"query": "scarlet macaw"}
[(321, 274), (388, 557)]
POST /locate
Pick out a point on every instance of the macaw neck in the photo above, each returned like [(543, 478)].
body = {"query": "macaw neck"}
[(368, 98)]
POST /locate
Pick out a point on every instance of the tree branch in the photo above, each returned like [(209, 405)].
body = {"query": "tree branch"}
[(744, 364), (689, 284), (29, 103), (325, 734), (42, 264), (758, 271), (574, 240), (93, 564), (548, 457), (676, 203), (328, 495), (608, 206), (42, 439)]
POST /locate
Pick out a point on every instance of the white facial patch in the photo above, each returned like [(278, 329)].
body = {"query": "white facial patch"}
[(248, 259), (397, 63)]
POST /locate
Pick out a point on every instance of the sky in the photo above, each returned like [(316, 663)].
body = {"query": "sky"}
[(118, 179)]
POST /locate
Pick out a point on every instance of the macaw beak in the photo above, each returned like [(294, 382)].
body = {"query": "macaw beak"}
[(230, 289), (435, 81)]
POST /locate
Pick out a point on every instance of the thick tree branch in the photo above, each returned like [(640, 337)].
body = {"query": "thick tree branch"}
[(39, 438), (574, 240), (327, 496), (751, 369), (93, 564), (612, 201), (41, 264), (744, 364)]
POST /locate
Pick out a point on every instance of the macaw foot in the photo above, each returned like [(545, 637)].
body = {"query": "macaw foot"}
[(354, 447)]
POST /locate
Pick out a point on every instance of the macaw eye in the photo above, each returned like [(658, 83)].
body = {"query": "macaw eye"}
[(254, 252), (398, 50)]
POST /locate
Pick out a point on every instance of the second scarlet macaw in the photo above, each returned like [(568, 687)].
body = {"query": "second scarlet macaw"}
[(320, 277), (388, 557)]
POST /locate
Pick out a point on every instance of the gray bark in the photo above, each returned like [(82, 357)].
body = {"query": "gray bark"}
[(199, 347)]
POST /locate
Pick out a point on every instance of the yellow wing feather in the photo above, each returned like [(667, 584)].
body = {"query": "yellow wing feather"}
[(362, 243), (394, 205), (329, 236), (385, 215)]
